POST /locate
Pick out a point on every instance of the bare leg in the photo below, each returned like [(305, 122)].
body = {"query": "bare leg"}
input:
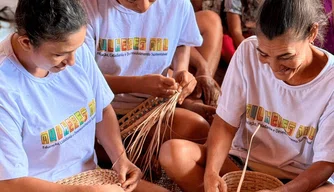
[(197, 106), (204, 61), (184, 162), (190, 126), (145, 186), (186, 125), (325, 188)]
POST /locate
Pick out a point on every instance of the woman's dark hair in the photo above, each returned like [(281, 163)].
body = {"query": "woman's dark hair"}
[(276, 17), (49, 20)]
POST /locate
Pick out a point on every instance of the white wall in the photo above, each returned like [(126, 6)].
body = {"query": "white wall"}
[(10, 3), (5, 27)]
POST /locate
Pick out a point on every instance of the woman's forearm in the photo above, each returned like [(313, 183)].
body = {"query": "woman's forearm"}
[(108, 134), (181, 58), (37, 185), (218, 145), (124, 84), (316, 175), (199, 63), (235, 29)]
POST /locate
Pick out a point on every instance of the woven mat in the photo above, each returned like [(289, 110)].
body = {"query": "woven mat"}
[(167, 183)]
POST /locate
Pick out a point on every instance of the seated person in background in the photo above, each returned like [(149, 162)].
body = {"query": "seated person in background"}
[(53, 102), (240, 15), (204, 61), (135, 43), (282, 82)]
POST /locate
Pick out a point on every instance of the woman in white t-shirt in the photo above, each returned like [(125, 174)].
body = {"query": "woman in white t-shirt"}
[(277, 80), (135, 43), (53, 102)]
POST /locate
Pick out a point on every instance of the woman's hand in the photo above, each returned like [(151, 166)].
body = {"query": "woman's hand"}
[(213, 183), (187, 84), (129, 174), (208, 86), (158, 85)]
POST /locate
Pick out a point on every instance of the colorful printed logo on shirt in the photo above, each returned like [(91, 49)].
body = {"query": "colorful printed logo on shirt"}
[(66, 128), (156, 46), (92, 107), (102, 45), (111, 45), (130, 44), (276, 121)]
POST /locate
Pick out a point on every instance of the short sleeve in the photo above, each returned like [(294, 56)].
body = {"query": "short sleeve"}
[(233, 6), (232, 102), (103, 93), (324, 140), (13, 158), (92, 16), (190, 34)]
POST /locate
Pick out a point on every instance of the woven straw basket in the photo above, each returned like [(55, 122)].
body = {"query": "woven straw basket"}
[(132, 119), (92, 177), (254, 181)]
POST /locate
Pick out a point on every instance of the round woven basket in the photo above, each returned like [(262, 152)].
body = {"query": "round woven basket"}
[(92, 177), (254, 181)]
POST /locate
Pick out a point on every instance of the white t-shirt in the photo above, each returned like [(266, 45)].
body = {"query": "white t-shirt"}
[(127, 43), (297, 122), (47, 125)]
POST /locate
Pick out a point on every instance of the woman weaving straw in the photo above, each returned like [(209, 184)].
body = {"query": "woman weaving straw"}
[(135, 43), (279, 80), (53, 102)]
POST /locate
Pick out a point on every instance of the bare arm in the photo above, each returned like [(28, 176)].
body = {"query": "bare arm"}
[(124, 84), (200, 64), (108, 134), (181, 58), (219, 143), (152, 84), (181, 74), (316, 175), (38, 185), (234, 27)]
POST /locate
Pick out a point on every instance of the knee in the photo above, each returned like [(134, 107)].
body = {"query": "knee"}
[(325, 188), (172, 153), (199, 128), (214, 23)]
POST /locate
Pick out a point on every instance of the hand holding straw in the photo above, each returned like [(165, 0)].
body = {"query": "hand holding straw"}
[(246, 163)]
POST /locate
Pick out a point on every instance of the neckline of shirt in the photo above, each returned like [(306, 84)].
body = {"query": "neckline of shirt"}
[(16, 63)]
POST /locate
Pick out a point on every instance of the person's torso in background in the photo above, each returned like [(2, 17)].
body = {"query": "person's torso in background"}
[(132, 44)]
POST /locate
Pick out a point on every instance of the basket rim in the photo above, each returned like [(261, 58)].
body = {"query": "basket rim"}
[(87, 175), (251, 173)]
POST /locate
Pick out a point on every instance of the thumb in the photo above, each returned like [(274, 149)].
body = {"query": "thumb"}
[(122, 175), (223, 186)]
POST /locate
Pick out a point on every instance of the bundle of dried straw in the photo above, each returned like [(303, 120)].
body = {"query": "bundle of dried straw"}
[(136, 125)]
